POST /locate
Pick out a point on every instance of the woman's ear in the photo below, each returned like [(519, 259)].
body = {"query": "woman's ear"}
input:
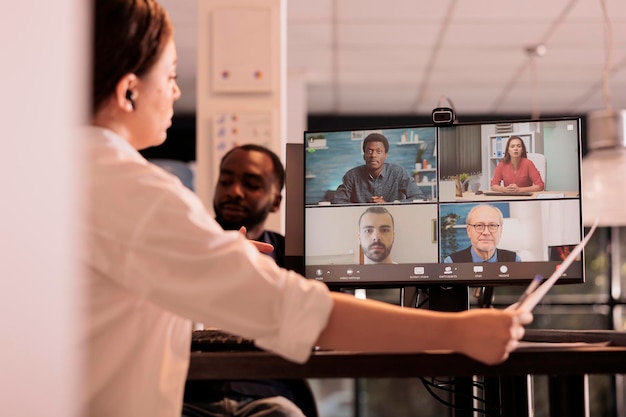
[(125, 92)]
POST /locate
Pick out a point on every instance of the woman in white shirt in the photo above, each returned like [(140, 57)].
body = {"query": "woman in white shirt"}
[(156, 260)]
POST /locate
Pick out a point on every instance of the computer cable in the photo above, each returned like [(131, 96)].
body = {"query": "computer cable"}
[(450, 387)]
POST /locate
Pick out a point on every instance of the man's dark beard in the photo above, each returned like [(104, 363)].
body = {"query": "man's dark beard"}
[(252, 220), (378, 258)]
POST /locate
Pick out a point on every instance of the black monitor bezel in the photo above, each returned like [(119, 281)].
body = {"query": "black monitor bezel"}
[(522, 274)]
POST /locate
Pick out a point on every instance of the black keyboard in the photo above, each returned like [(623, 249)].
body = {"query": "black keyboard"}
[(215, 340)]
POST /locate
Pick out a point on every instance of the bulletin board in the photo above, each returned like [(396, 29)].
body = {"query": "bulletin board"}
[(242, 50), (234, 129)]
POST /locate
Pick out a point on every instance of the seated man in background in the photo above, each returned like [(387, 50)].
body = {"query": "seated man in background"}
[(376, 235), (376, 181), (249, 187), (484, 229)]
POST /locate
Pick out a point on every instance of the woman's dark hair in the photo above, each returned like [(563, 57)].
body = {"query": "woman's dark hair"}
[(507, 157), (129, 36)]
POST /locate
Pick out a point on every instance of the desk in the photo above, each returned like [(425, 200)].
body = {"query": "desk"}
[(470, 196), (563, 362)]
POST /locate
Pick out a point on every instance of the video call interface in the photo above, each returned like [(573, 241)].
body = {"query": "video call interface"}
[(422, 208)]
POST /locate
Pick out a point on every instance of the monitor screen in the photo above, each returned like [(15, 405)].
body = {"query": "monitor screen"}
[(478, 204)]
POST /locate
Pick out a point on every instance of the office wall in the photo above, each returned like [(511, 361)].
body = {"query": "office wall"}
[(241, 86), (43, 70)]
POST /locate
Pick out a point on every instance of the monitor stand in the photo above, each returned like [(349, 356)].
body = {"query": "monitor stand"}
[(439, 298), (454, 299)]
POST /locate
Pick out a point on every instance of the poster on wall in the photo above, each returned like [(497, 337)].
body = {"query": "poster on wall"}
[(242, 49), (235, 129)]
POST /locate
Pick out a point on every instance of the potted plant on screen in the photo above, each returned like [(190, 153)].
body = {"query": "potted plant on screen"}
[(421, 148), (464, 178)]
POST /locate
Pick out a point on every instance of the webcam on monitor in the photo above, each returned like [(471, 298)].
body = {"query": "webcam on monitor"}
[(443, 116)]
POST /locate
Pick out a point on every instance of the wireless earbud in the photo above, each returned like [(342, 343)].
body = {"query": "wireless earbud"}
[(129, 97)]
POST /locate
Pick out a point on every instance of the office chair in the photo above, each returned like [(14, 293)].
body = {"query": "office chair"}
[(540, 162)]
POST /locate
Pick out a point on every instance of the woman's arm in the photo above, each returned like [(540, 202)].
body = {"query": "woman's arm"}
[(487, 335), (498, 178)]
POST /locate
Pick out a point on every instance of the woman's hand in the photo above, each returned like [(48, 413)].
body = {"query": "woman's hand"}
[(261, 246), (490, 334)]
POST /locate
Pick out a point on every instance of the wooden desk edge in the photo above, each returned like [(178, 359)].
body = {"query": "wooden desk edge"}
[(332, 364), (471, 196)]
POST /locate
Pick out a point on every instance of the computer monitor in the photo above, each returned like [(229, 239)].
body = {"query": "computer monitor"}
[(425, 238), (294, 202)]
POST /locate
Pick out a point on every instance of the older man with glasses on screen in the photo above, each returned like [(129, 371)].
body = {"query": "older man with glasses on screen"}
[(484, 229)]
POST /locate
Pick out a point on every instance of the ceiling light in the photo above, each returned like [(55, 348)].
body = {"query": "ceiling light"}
[(604, 169)]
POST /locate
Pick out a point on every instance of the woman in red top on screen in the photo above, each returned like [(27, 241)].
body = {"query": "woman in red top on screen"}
[(515, 172)]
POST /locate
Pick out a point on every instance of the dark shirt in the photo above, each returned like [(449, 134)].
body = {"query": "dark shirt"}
[(393, 184), (469, 255), (278, 241), (207, 391)]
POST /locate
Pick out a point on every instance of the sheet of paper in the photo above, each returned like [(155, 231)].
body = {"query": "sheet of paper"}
[(558, 345), (553, 195), (534, 298)]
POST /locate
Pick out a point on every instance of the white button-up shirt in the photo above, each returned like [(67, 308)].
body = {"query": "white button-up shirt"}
[(156, 261)]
